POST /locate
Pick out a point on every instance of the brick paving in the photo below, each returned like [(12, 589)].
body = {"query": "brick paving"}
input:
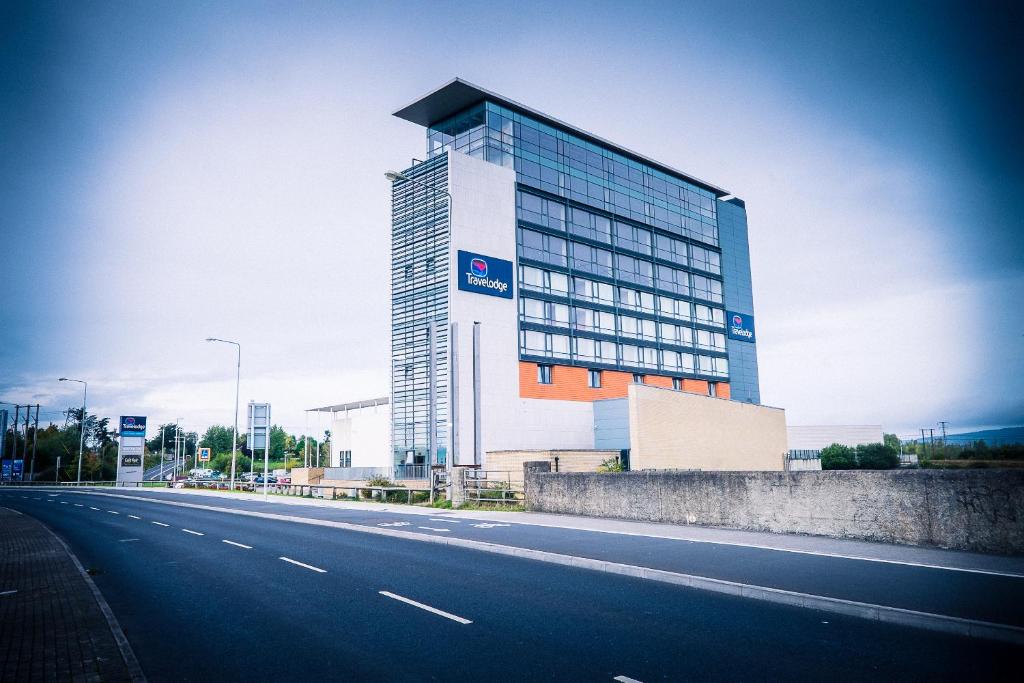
[(52, 628)]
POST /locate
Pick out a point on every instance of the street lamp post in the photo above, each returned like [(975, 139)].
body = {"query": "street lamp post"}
[(394, 176), (81, 439), (234, 431)]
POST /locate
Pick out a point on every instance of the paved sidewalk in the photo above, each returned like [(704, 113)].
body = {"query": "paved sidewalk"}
[(51, 625)]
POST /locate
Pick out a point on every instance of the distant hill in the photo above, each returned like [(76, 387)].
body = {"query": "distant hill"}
[(993, 437)]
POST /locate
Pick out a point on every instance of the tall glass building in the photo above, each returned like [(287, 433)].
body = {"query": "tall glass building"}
[(625, 271)]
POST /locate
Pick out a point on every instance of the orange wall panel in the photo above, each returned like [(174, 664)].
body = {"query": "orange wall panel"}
[(569, 383)]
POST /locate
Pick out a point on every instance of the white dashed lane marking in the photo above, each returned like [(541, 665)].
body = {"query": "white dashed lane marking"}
[(194, 533), (303, 564), (134, 517), (432, 528), (240, 545), (433, 610), (161, 524)]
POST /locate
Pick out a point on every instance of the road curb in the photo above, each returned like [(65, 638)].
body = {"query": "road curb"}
[(881, 613)]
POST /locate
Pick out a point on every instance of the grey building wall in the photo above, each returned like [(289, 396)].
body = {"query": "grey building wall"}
[(611, 424), (739, 297)]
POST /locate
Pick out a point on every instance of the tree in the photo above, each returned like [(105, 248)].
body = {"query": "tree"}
[(892, 441), (838, 457), (877, 456), (218, 438)]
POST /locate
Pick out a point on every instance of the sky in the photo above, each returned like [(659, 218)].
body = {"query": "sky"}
[(173, 171)]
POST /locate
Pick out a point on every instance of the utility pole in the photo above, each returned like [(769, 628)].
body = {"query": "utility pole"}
[(35, 439), (931, 440), (24, 451), (14, 436), (943, 423), (163, 430)]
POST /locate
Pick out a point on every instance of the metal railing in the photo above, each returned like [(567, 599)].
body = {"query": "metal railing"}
[(492, 487), (363, 473)]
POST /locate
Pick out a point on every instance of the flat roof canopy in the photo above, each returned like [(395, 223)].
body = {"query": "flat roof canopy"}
[(457, 95), (355, 405)]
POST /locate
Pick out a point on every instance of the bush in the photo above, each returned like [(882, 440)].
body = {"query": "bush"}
[(876, 456), (838, 457), (611, 465), (379, 481)]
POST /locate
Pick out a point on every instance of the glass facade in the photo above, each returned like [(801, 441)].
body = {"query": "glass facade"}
[(419, 296), (619, 262)]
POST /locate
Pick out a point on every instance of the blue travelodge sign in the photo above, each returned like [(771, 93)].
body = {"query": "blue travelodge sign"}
[(484, 275), (741, 326), (133, 425)]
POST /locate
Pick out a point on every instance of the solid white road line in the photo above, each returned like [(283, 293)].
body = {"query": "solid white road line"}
[(303, 564), (134, 517), (240, 545), (431, 528), (161, 524), (14, 511), (9, 592), (625, 679), (446, 615), (194, 533), (447, 521)]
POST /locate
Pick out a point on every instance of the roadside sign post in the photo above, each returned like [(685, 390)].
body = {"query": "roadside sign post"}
[(259, 437), (131, 448), (204, 456)]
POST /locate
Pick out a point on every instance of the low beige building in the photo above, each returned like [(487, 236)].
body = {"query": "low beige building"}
[(675, 430), (511, 462)]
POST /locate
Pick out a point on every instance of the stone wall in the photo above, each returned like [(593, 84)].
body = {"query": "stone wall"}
[(977, 510)]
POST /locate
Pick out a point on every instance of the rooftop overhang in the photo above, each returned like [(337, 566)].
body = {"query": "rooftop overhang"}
[(458, 95), (355, 405)]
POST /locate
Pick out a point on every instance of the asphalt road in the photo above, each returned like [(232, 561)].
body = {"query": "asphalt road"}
[(208, 595)]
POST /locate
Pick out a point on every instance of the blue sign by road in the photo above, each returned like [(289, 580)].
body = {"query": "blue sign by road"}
[(484, 275), (741, 326), (133, 425)]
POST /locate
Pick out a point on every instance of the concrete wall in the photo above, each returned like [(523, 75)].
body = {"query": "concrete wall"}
[(678, 430), (367, 433), (568, 460), (977, 510)]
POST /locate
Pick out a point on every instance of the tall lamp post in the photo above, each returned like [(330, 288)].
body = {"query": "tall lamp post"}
[(81, 439), (234, 430), (395, 176)]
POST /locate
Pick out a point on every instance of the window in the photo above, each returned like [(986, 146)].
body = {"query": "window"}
[(530, 207), (635, 270), (706, 288), (712, 388), (590, 225), (638, 378), (544, 344), (636, 327), (594, 379), (344, 458), (599, 292), (589, 320), (674, 308), (714, 341), (709, 316), (670, 249), (543, 374), (546, 281), (544, 312), (677, 383), (633, 238), (594, 350), (705, 259), (713, 366), (540, 247), (631, 298), (591, 259), (675, 334), (673, 280)]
